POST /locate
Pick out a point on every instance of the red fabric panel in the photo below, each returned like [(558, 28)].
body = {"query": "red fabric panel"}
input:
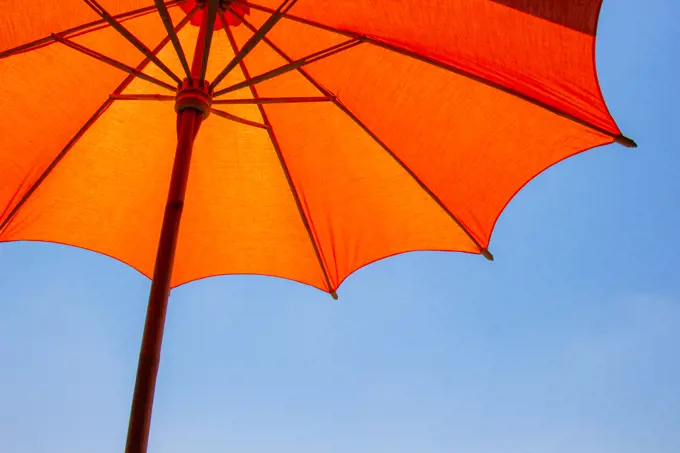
[(540, 48)]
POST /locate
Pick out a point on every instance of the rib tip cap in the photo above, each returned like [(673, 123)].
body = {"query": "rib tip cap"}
[(625, 141)]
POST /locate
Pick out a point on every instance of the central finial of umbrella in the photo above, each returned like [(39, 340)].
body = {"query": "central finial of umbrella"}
[(194, 94)]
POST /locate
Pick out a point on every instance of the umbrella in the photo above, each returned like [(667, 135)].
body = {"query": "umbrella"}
[(293, 138)]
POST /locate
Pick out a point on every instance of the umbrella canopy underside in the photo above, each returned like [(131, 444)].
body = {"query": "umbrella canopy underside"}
[(398, 127)]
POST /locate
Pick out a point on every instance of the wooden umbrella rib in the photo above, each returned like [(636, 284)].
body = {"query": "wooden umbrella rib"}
[(283, 100), (115, 63), (170, 28), (618, 138), (284, 166), (102, 26), (238, 119), (483, 250), (144, 63), (276, 15), (142, 97), (316, 56), (85, 28), (55, 162), (212, 7), (132, 39)]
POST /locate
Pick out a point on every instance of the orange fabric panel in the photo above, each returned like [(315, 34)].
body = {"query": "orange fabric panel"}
[(541, 48), (23, 22), (240, 216), (472, 145), (108, 193), (52, 92), (362, 205)]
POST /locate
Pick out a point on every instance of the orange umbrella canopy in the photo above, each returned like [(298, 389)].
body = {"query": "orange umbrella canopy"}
[(352, 131)]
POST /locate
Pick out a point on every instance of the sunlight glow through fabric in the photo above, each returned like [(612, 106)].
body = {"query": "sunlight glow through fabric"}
[(412, 132)]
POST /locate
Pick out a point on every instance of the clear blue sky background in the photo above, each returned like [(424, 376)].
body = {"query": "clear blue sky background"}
[(569, 342)]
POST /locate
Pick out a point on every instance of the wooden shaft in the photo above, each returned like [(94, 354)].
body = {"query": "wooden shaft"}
[(149, 356), (188, 123)]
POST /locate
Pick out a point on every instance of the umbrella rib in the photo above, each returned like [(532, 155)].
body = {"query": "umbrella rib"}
[(213, 6), (132, 39), (238, 119), (164, 97), (144, 63), (291, 185), (483, 250), (100, 111), (142, 97), (316, 56), (276, 15), (284, 100), (115, 63), (85, 28), (170, 28), (55, 162), (618, 138)]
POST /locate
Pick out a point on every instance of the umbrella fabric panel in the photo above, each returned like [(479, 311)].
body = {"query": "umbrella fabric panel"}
[(52, 91), (108, 193), (23, 22), (240, 216), (544, 49)]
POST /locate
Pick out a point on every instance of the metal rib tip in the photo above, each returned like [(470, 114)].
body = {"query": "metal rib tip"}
[(625, 141), (334, 295), (486, 254)]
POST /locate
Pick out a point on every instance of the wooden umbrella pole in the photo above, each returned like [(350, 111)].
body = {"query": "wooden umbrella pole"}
[(149, 356), (193, 102)]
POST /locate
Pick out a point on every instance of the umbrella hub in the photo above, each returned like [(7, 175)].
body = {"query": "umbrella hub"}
[(222, 4), (195, 94), (233, 12)]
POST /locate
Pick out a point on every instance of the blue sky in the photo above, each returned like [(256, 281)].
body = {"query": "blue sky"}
[(568, 342)]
